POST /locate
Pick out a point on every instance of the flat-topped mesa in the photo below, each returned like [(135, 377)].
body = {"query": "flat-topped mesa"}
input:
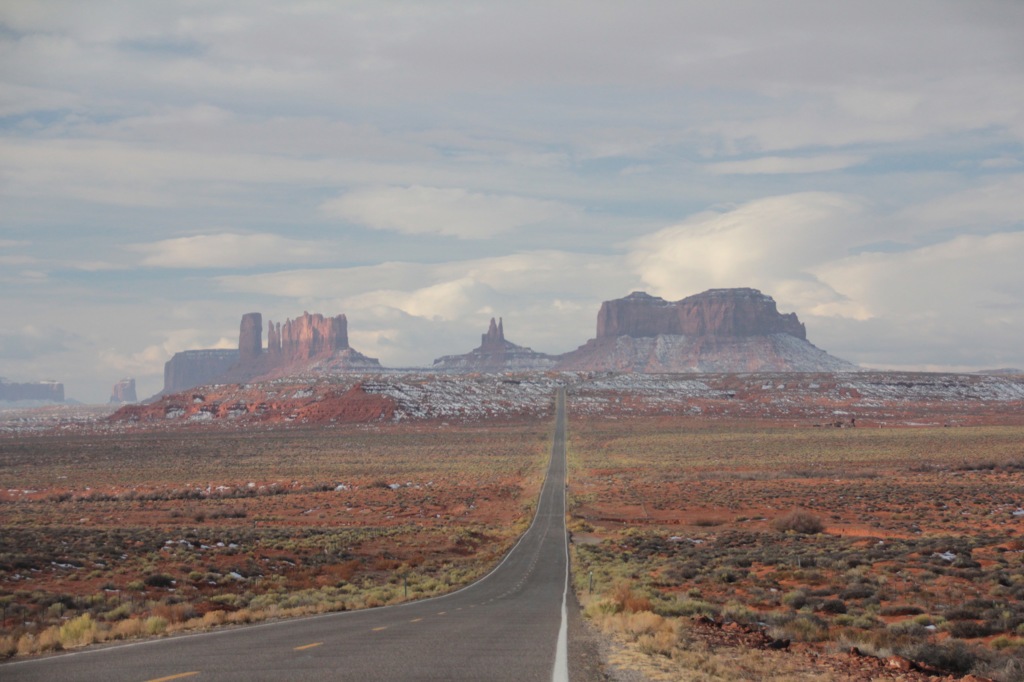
[(309, 337), (719, 330), (50, 391), (740, 312)]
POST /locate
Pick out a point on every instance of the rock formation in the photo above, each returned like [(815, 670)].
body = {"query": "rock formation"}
[(311, 343), (124, 391), (196, 367), (720, 330), (309, 337), (495, 354), (716, 312), (48, 391), (250, 337)]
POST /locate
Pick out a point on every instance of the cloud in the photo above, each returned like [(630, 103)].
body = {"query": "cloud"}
[(956, 302), (32, 342), (228, 250), (453, 212), (772, 244), (987, 206), (783, 164)]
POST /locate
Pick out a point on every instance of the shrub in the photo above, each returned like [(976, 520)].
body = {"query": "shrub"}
[(159, 580), (78, 631), (155, 625), (689, 607), (802, 628), (626, 600), (952, 656), (967, 629), (795, 599), (858, 592), (834, 606), (799, 522)]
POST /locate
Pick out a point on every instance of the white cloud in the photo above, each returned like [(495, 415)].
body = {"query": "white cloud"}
[(771, 244), (228, 250), (453, 212), (956, 302), (785, 164), (993, 204)]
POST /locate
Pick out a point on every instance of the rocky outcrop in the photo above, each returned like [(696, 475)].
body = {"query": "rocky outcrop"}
[(250, 337), (310, 337), (720, 330), (196, 367), (716, 312), (495, 354), (311, 343), (48, 391), (124, 392)]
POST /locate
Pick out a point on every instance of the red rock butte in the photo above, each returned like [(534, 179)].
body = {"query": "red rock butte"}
[(716, 312), (307, 343)]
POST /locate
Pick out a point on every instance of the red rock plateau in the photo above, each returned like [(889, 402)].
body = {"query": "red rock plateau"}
[(720, 330), (716, 312), (495, 354)]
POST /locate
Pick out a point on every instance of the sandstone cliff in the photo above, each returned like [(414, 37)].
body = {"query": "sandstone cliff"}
[(49, 391), (311, 343), (720, 330), (495, 354), (124, 392), (716, 312), (309, 337), (195, 367)]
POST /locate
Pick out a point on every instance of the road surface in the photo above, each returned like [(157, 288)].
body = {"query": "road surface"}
[(511, 625)]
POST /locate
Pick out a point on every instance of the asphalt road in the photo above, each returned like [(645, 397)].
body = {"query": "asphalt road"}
[(511, 625)]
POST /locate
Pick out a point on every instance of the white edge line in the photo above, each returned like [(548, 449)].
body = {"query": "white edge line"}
[(561, 670)]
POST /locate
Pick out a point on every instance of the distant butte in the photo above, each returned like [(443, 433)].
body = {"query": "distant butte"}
[(719, 330), (48, 391), (496, 354), (123, 392), (310, 343)]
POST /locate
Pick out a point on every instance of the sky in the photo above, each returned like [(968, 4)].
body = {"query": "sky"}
[(423, 166)]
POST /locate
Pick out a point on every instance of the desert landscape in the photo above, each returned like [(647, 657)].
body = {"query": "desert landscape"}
[(815, 526), (108, 536)]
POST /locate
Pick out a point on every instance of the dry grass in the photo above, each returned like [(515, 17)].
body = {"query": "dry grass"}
[(892, 527), (146, 534)]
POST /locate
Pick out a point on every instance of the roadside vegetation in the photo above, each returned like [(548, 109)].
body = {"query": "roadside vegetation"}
[(726, 552), (115, 537)]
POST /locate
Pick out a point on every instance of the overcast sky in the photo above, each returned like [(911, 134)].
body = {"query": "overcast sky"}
[(166, 167)]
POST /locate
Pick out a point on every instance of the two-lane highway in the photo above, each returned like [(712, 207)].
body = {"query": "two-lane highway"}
[(510, 625)]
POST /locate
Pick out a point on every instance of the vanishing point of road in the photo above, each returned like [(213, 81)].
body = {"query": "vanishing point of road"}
[(511, 625)]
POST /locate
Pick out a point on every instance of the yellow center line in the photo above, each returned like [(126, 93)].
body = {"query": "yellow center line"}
[(415, 620), (442, 613), (383, 627), (174, 677), (307, 646)]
